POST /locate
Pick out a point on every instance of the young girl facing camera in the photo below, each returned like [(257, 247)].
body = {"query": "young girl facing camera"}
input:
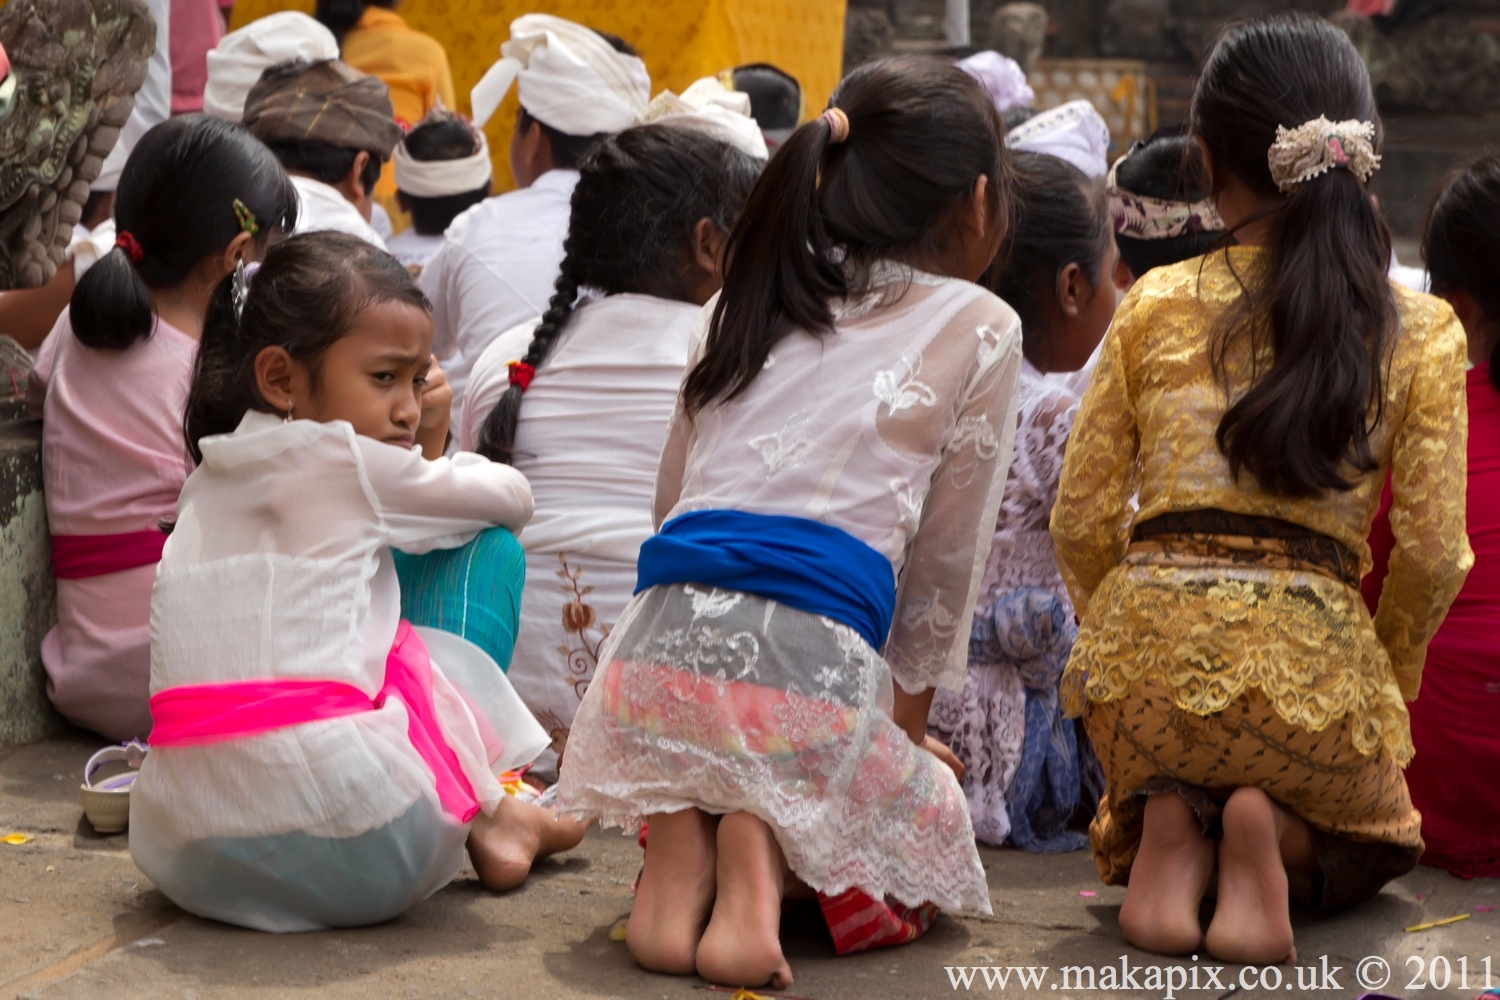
[(1024, 768), (1247, 710), (311, 765), (828, 479)]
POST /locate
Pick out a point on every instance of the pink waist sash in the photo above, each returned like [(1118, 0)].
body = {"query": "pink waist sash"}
[(198, 714), (77, 557)]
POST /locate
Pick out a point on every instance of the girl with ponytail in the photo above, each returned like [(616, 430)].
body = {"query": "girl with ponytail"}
[(1246, 708), (197, 199), (828, 481), (649, 216)]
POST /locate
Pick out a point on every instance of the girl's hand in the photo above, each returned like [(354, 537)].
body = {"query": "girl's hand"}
[(437, 406), (940, 750)]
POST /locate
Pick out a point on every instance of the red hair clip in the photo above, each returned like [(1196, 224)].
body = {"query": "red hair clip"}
[(521, 374), (132, 246)]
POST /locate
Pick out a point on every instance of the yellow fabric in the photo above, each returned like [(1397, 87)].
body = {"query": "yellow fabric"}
[(680, 40), (1147, 424)]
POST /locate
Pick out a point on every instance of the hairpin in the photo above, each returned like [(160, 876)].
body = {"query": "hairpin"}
[(245, 217)]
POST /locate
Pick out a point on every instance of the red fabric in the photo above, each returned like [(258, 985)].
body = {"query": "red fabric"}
[(197, 714), (78, 557), (1454, 719), (861, 923)]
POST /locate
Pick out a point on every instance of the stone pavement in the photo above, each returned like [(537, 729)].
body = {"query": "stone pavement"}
[(77, 920)]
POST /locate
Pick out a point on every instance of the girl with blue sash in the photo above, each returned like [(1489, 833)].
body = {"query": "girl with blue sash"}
[(829, 482)]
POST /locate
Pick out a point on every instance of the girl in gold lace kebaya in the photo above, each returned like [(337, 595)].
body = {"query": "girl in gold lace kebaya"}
[(1247, 709)]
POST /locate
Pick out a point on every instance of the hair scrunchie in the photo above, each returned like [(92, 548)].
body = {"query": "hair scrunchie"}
[(1313, 148), (521, 374), (132, 246), (838, 125)]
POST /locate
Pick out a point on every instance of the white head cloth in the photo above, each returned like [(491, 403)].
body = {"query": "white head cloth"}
[(570, 78), (237, 62), (1074, 132), (1002, 77), (710, 108), (440, 178)]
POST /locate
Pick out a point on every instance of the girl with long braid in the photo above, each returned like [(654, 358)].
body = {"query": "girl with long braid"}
[(649, 214)]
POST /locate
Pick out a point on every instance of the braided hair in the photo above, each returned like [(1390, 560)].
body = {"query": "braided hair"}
[(639, 196)]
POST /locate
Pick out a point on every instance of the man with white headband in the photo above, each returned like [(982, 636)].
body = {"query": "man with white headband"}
[(442, 170), (236, 63), (500, 259)]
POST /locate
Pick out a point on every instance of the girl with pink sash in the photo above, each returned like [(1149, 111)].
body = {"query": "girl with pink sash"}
[(318, 761), (110, 383)]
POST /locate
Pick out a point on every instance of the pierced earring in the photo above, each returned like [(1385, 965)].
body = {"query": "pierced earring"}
[(288, 418), (239, 290)]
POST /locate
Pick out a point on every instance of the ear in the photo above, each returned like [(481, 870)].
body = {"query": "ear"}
[(1467, 310), (975, 218), (1123, 277), (1074, 291), (278, 378), (241, 248), (708, 244), (353, 188), (1208, 161)]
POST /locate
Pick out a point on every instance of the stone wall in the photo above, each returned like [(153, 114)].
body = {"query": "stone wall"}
[(28, 603)]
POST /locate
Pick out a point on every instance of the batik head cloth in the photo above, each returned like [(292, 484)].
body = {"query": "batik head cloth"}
[(1141, 217), (569, 77), (327, 102)]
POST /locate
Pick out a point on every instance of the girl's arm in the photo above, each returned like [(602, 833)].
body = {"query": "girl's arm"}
[(672, 466), (1429, 473), (439, 504), (929, 641), (1092, 512)]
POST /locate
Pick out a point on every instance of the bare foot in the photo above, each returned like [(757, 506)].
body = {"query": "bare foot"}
[(1252, 924), (675, 892), (742, 946), (1167, 880), (503, 846)]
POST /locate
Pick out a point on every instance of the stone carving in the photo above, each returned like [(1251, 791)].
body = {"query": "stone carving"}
[(1019, 30), (868, 33), (75, 66), (1446, 63)]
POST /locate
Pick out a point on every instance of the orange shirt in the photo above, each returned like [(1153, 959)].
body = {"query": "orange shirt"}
[(412, 64)]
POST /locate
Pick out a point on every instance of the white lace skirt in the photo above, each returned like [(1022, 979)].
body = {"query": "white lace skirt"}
[(726, 702)]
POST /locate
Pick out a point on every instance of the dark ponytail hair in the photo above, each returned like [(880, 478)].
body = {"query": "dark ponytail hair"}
[(304, 297), (921, 132), (1322, 304), (1461, 245), (176, 201), (1061, 218), (339, 16), (639, 195)]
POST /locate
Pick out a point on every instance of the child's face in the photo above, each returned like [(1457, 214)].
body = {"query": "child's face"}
[(374, 376)]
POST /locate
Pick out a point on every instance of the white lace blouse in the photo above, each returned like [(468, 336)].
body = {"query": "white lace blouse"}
[(897, 428)]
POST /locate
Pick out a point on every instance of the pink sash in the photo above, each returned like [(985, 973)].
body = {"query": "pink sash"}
[(77, 557), (198, 714)]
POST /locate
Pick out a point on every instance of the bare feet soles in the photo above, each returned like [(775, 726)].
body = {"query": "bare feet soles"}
[(1251, 923), (742, 946), (675, 893), (1168, 879), (503, 846)]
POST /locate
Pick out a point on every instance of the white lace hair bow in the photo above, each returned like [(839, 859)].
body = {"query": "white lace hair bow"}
[(1316, 147)]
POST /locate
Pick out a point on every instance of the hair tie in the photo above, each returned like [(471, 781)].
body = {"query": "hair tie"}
[(838, 125), (132, 247), (521, 374), (1316, 147), (245, 217)]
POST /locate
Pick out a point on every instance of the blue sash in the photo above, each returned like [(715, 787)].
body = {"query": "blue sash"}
[(806, 565)]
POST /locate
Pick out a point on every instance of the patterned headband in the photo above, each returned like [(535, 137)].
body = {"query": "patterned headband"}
[(1140, 217), (1316, 147)]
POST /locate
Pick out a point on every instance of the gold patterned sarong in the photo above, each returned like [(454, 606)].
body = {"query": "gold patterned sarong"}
[(1347, 787)]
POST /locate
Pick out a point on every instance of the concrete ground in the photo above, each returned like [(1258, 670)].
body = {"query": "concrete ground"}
[(78, 920)]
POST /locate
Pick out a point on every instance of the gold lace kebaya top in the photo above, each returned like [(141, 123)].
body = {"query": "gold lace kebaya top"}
[(1208, 631)]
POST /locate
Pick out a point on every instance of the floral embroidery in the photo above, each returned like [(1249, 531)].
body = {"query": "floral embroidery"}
[(973, 433), (582, 625), (902, 393), (784, 449), (714, 604)]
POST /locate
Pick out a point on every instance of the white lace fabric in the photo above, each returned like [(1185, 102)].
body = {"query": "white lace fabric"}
[(896, 428)]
